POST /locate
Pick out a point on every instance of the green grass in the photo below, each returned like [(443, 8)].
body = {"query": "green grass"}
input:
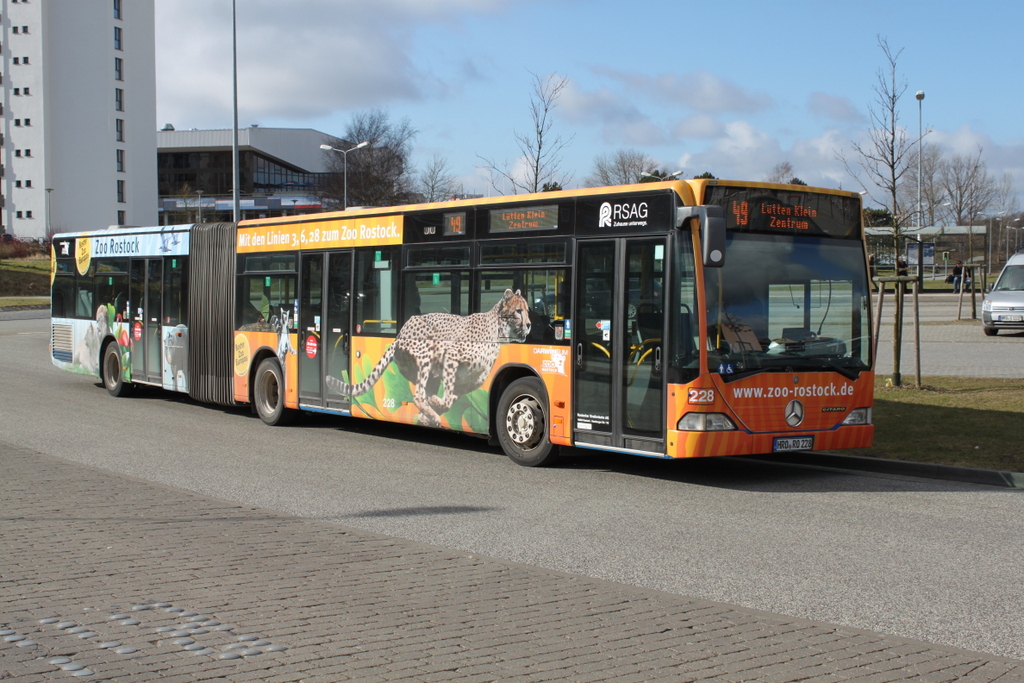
[(24, 277), (968, 422)]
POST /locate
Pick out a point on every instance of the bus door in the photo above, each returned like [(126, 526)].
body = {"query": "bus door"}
[(619, 323), (324, 327), (146, 283)]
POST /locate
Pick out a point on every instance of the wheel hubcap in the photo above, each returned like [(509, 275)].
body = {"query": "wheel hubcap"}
[(523, 421)]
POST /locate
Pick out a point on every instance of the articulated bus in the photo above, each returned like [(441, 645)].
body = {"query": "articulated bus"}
[(673, 320)]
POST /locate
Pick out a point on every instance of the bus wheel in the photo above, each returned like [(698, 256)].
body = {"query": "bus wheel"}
[(522, 423), (269, 394), (113, 376)]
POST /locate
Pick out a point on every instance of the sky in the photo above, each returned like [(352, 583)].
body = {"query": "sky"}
[(733, 87)]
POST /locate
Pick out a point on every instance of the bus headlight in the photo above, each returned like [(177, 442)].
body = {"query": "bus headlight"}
[(859, 416), (705, 422)]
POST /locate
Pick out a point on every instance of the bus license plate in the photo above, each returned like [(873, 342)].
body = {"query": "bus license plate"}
[(793, 443)]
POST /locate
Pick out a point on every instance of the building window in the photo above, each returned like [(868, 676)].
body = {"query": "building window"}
[(18, 214), (14, 30), (119, 130), (118, 99), (118, 37), (28, 214), (28, 152), (24, 29), (17, 91), (17, 61), (120, 161), (120, 192), (117, 9), (28, 122), (24, 91), (122, 217), (17, 122), (28, 183), (118, 68), (17, 152), (17, 183)]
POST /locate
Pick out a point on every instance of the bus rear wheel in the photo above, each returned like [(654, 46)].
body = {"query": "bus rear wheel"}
[(522, 423), (268, 394), (112, 373)]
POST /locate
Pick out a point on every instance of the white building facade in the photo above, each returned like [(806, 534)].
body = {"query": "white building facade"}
[(79, 115)]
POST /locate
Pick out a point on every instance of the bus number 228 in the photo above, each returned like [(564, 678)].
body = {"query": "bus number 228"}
[(701, 396)]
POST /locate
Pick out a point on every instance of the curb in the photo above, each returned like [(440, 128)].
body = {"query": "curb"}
[(30, 307), (970, 475)]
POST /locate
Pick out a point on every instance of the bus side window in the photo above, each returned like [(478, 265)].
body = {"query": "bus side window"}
[(376, 291), (83, 300)]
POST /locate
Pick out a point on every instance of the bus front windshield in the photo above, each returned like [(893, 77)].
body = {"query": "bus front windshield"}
[(787, 304)]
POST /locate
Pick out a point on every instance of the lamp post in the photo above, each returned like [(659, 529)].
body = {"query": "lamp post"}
[(49, 234), (236, 173), (200, 203), (344, 153), (920, 214)]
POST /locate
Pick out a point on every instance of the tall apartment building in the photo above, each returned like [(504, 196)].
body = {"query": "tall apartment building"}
[(79, 115)]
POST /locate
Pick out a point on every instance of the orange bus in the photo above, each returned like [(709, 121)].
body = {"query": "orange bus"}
[(674, 319)]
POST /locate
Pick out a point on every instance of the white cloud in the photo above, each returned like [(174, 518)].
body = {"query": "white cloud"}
[(841, 109), (306, 61), (700, 126), (700, 91)]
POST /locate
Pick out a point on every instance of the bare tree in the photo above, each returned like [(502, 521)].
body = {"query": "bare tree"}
[(436, 182), (540, 150), (932, 194), (624, 167), (780, 173), (886, 154), (971, 192), (379, 174)]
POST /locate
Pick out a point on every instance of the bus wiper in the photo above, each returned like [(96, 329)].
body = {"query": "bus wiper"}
[(844, 370)]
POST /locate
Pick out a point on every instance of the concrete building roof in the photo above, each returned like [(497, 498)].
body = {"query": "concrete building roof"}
[(295, 146)]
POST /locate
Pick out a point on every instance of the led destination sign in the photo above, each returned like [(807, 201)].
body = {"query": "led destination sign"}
[(524, 218), (756, 209)]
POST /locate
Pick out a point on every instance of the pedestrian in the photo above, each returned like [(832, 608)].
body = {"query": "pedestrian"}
[(901, 267), (958, 276)]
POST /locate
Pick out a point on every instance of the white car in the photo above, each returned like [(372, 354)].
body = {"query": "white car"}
[(1003, 308)]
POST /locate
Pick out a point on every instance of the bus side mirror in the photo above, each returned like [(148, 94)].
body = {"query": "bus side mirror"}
[(712, 231)]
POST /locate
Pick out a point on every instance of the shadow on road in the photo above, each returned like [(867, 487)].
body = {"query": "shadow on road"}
[(734, 473)]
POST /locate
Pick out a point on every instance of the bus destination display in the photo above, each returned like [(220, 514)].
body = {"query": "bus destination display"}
[(756, 209), (524, 218)]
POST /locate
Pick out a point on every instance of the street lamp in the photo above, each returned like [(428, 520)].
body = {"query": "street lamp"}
[(654, 174), (200, 193), (920, 215), (49, 234), (344, 153)]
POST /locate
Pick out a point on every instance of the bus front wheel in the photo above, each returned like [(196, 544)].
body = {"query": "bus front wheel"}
[(522, 423), (268, 394), (113, 375)]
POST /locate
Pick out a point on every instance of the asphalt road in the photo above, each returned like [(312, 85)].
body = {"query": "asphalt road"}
[(949, 346), (935, 561)]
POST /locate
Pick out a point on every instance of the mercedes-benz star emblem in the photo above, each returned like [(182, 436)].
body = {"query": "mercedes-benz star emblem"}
[(794, 413)]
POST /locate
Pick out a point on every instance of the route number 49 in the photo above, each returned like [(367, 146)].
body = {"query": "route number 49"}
[(700, 396)]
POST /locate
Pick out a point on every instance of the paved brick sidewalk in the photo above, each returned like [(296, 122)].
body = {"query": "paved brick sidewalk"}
[(131, 581)]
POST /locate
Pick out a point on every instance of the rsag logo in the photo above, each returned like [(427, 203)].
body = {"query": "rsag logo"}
[(622, 215)]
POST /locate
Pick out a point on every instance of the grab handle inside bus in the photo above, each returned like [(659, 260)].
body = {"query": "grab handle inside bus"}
[(712, 231)]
